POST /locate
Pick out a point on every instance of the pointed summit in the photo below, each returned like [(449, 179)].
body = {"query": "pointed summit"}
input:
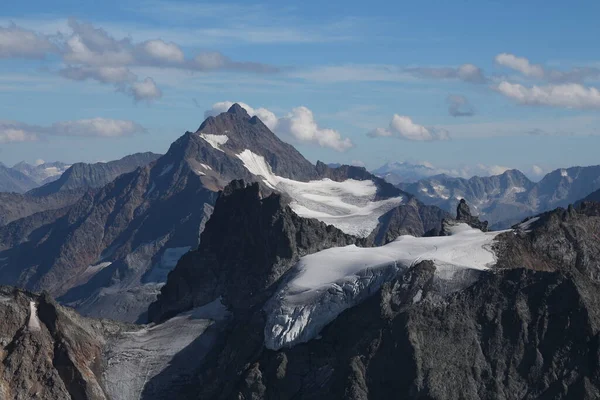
[(237, 109)]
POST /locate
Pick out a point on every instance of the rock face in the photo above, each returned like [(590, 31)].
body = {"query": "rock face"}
[(48, 352), (14, 206), (508, 198), (527, 329), (249, 243)]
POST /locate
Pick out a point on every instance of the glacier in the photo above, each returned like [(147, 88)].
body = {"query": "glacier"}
[(349, 205), (322, 285)]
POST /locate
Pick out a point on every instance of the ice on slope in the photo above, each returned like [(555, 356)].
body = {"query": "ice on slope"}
[(215, 141), (347, 205), (328, 282), (136, 357)]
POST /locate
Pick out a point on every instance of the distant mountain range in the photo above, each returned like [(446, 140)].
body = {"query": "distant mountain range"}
[(42, 173), (65, 189), (508, 198), (404, 172), (23, 177)]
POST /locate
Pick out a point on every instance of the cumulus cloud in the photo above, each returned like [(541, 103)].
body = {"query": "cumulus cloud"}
[(91, 53), (459, 106), (467, 72), (145, 90), (11, 131), (299, 125), (403, 127), (162, 52), (17, 42), (537, 170), (520, 64), (572, 95), (492, 169)]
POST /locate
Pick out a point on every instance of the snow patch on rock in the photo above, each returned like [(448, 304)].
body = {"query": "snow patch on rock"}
[(34, 322), (215, 141), (324, 284), (349, 205)]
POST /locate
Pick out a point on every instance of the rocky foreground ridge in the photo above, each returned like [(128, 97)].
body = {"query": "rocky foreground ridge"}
[(525, 328)]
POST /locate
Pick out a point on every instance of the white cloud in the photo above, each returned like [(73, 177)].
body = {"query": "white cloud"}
[(17, 42), (520, 64), (403, 127), (90, 52), (145, 90), (525, 67), (299, 124), (537, 170), (12, 132), (466, 72), (571, 95), (101, 74), (492, 169), (162, 51), (39, 162), (96, 127), (209, 60)]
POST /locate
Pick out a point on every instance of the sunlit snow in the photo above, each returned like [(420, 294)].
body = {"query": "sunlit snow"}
[(34, 322), (215, 141), (326, 283), (347, 205)]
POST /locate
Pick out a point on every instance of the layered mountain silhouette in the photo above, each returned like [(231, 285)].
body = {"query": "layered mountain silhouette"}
[(508, 198), (64, 190), (264, 276), (109, 253)]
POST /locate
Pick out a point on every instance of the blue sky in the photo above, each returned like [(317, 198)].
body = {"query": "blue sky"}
[(468, 86)]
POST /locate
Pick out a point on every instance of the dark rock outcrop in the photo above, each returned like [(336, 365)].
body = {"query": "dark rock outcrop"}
[(249, 243), (463, 215)]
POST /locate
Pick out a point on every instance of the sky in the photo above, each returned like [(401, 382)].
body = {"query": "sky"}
[(475, 87)]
